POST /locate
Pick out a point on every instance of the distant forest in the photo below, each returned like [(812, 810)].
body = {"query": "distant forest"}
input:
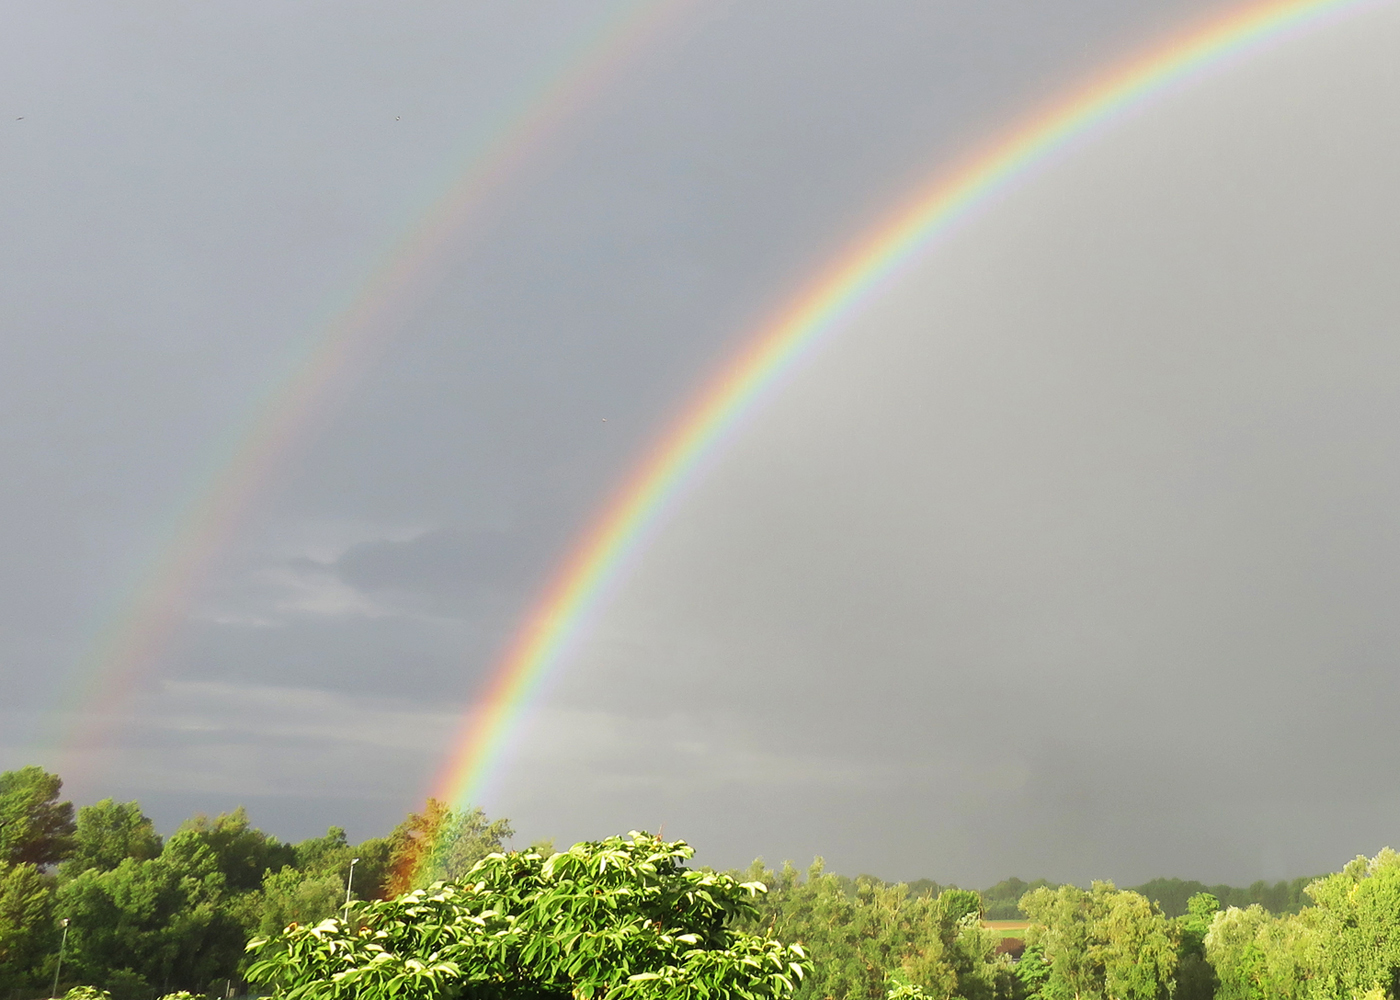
[(1002, 901), (139, 916)]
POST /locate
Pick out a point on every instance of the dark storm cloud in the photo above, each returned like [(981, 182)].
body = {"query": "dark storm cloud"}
[(441, 563), (353, 653), (409, 617)]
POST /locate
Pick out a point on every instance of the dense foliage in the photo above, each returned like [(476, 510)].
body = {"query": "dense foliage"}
[(35, 828), (620, 918), (440, 910), (1345, 945), (150, 915), (1099, 943), (860, 933)]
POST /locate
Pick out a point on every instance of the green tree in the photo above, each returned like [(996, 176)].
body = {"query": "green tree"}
[(468, 837), (1195, 979), (1173, 894), (1259, 956), (35, 828), (328, 855), (242, 852), (1100, 944), (107, 834), (374, 872), (441, 843), (1001, 901), (1357, 915), (169, 920), (292, 896), (1234, 947), (865, 935), (1032, 973), (619, 918), (27, 931), (856, 938)]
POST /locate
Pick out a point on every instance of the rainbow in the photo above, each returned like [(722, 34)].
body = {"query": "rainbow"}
[(134, 635), (593, 569)]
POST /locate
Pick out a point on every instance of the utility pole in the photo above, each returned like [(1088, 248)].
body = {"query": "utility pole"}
[(349, 880), (63, 943)]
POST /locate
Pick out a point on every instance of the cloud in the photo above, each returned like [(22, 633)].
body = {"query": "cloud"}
[(418, 574), (241, 740), (307, 589), (440, 563), (358, 609)]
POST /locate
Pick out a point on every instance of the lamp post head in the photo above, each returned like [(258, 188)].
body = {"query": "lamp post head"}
[(64, 921), (354, 861)]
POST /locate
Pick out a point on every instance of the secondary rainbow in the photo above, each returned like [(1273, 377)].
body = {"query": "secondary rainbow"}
[(135, 634), (598, 562)]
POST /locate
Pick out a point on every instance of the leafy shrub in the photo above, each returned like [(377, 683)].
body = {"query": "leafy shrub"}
[(617, 919), (87, 993), (124, 984)]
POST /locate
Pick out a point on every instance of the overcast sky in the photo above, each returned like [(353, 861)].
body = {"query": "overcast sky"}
[(1074, 556)]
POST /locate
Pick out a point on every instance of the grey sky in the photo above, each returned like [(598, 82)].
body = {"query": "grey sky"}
[(1072, 557)]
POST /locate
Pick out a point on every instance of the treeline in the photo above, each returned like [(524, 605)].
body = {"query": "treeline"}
[(865, 936), (870, 940), (146, 916), (1003, 900), (1173, 894)]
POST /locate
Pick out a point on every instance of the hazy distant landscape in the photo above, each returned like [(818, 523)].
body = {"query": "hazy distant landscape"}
[(139, 916)]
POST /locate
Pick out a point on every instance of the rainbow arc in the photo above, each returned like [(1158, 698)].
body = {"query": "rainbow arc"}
[(599, 561)]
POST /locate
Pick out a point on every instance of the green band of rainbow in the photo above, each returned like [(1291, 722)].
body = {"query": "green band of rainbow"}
[(597, 563)]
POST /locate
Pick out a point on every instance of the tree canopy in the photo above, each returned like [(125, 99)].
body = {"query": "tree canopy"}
[(441, 911), (35, 827), (618, 918), (110, 832)]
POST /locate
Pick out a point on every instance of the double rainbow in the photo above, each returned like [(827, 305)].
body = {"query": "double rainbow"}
[(135, 633), (599, 561), (139, 630)]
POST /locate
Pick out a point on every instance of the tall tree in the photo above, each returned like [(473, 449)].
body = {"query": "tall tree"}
[(1100, 944), (35, 828), (291, 896), (1358, 915), (1259, 956), (27, 931), (108, 833), (328, 855), (866, 934), (441, 844), (169, 921), (1001, 901), (243, 853), (1195, 979)]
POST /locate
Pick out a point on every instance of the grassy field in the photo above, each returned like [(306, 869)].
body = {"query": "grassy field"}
[(1008, 928)]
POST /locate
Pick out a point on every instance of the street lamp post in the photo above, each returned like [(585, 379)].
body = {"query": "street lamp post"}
[(62, 943), (349, 880)]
